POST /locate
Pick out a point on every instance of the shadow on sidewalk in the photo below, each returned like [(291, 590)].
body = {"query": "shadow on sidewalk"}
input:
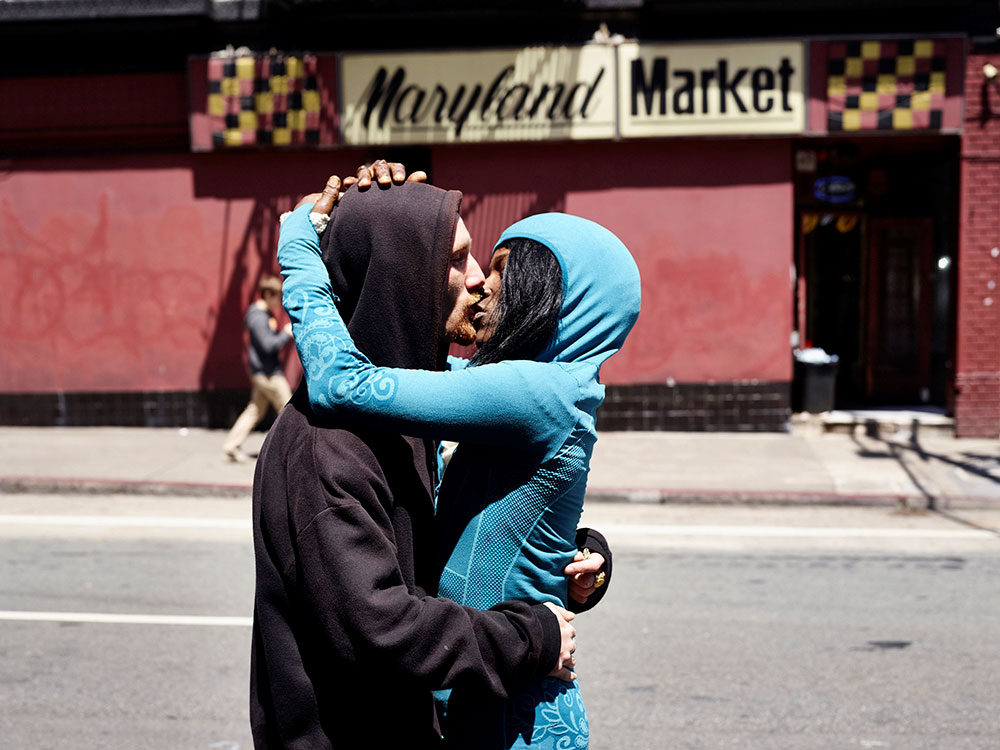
[(973, 464), (895, 450)]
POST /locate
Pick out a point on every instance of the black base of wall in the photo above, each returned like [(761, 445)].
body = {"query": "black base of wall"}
[(214, 409), (742, 406), (748, 406)]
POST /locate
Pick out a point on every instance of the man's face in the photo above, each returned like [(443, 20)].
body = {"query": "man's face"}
[(272, 300), (464, 289)]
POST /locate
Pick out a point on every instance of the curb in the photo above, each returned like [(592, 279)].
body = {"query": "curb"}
[(648, 496), (914, 501), (747, 497), (38, 486)]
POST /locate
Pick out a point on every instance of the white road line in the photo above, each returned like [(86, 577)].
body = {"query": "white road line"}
[(101, 617), (158, 522), (790, 532), (623, 529)]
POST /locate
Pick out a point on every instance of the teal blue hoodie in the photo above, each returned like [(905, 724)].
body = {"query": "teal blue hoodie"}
[(510, 502)]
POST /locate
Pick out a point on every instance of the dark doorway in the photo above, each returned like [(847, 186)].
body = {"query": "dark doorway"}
[(833, 255), (874, 265)]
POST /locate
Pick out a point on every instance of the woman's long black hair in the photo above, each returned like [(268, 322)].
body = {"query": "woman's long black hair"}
[(527, 312)]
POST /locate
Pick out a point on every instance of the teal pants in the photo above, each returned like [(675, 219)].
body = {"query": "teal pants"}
[(546, 715)]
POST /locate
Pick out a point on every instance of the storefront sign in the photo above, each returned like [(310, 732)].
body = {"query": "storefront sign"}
[(537, 93), (262, 100), (725, 89), (894, 84)]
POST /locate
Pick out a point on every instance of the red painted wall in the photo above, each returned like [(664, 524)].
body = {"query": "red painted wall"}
[(132, 273), (709, 223), (977, 377)]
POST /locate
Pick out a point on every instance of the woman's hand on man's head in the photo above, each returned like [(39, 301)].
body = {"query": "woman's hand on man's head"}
[(384, 173), (325, 201)]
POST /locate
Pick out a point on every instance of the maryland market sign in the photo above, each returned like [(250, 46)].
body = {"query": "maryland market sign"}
[(572, 93), (731, 89), (538, 93)]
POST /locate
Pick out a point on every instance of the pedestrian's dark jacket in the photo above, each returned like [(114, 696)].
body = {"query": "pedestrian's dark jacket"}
[(346, 644), (265, 343)]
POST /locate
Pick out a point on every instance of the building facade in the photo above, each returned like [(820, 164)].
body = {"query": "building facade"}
[(778, 186)]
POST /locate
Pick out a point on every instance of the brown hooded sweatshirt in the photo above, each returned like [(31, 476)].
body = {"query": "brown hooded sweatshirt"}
[(347, 646)]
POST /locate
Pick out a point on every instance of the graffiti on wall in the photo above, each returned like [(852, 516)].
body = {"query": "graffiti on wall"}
[(103, 300)]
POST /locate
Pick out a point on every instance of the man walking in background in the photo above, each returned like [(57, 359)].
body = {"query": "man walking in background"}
[(267, 379)]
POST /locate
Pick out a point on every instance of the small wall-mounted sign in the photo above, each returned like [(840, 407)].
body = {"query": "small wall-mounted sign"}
[(834, 189), (805, 160)]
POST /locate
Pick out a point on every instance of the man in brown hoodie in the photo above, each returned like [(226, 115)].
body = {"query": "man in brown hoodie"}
[(347, 646)]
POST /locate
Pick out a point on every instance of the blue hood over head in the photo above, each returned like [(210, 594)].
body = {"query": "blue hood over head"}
[(601, 287)]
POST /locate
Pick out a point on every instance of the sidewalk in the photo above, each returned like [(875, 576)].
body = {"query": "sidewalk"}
[(652, 467)]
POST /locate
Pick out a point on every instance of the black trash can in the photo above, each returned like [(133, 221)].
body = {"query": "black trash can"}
[(816, 385)]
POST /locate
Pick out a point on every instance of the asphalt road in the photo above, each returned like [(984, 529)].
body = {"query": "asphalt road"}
[(124, 624)]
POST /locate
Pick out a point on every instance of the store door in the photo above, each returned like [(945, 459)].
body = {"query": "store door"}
[(831, 301), (900, 309)]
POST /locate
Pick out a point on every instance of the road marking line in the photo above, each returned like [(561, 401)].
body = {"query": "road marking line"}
[(100, 617), (627, 529), (159, 522)]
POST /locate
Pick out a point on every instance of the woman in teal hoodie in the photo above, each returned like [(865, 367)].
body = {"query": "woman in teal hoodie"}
[(511, 499)]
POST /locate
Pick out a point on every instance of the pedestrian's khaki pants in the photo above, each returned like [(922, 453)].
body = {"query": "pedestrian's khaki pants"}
[(264, 390)]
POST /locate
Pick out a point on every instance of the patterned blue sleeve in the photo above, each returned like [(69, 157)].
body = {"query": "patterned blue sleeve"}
[(509, 403)]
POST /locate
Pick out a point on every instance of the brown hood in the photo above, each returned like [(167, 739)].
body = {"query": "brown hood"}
[(387, 252)]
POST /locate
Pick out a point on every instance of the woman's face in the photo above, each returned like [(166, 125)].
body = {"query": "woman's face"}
[(483, 320)]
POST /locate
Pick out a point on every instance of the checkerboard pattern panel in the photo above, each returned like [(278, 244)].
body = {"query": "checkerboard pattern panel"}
[(264, 100), (890, 85)]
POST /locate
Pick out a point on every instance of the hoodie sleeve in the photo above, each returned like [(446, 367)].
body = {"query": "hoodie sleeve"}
[(352, 586), (517, 403)]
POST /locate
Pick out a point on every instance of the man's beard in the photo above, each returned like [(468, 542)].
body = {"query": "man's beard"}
[(463, 332)]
